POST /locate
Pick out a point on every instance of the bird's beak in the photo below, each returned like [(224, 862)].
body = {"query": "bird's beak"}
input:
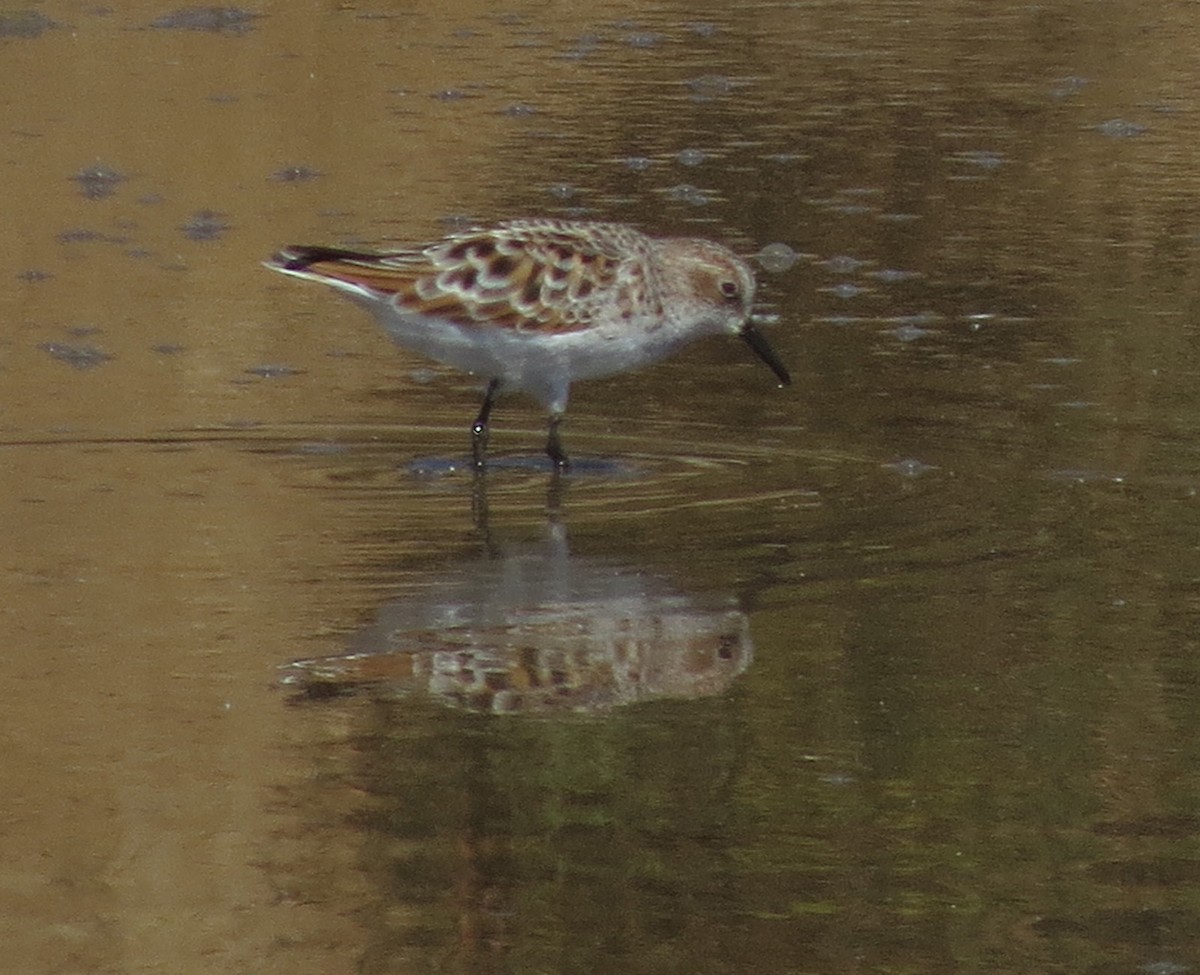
[(761, 349)]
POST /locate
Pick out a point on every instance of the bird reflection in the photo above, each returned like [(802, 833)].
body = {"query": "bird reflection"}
[(532, 628)]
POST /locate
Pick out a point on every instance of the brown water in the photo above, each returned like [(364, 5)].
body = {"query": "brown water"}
[(895, 670)]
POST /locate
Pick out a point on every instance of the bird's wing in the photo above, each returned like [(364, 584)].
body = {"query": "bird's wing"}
[(524, 276)]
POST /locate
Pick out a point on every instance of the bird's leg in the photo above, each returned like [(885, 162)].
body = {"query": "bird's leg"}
[(479, 429), (554, 446)]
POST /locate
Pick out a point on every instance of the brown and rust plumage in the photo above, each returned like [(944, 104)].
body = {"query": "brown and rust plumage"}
[(534, 305), (543, 276)]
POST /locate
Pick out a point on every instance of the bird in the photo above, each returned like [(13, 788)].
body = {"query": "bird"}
[(532, 305)]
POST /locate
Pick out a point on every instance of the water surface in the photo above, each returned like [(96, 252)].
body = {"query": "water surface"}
[(891, 670)]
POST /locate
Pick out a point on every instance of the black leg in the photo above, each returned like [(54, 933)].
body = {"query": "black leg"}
[(479, 429), (554, 447)]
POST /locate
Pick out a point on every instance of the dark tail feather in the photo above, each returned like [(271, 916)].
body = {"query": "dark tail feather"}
[(299, 257)]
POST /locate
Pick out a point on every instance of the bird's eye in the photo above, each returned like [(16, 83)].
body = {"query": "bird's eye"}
[(730, 289)]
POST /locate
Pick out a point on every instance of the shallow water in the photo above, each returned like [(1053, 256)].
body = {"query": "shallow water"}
[(891, 670)]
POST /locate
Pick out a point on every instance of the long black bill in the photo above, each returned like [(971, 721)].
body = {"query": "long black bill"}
[(755, 340)]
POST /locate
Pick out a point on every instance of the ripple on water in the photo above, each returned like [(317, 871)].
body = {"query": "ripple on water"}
[(441, 466), (213, 19), (25, 24), (776, 258), (610, 472), (76, 356)]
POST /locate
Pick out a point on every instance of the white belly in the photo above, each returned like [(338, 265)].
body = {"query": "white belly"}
[(541, 364)]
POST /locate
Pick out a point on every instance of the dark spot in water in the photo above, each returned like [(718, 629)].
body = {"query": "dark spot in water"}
[(216, 20), (691, 195), (82, 235), (457, 222), (98, 182), (911, 467), (34, 275), (1070, 85), (295, 174), (585, 45), (434, 467), (167, 348), (450, 95), (919, 319), (644, 39), (777, 257), (321, 448), (848, 209), (785, 157), (510, 18), (843, 264), (1165, 968), (638, 164), (272, 371), (438, 467), (562, 191), (908, 333), (204, 225), (983, 158), (1119, 128), (889, 275), (76, 356), (519, 110), (25, 24)]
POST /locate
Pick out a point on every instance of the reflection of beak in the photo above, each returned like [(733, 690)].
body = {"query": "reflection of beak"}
[(755, 340)]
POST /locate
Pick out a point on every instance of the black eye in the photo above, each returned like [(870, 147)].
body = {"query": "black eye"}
[(730, 289)]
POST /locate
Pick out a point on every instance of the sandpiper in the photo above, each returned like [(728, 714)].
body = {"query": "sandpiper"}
[(533, 305)]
